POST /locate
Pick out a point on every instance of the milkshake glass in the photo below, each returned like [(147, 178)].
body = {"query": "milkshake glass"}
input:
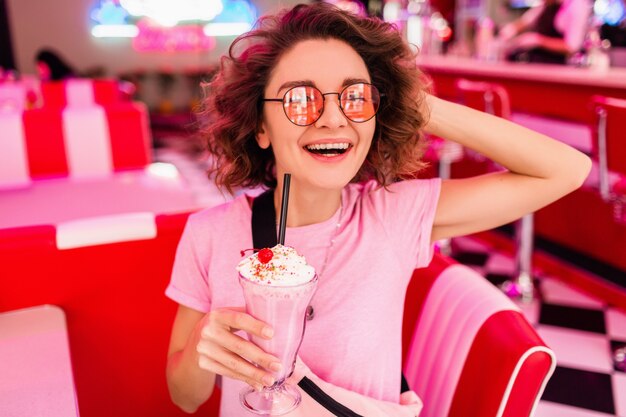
[(278, 293)]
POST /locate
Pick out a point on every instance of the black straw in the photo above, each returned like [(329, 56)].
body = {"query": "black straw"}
[(283, 209)]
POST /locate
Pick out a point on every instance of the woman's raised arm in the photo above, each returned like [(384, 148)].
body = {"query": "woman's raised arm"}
[(539, 170)]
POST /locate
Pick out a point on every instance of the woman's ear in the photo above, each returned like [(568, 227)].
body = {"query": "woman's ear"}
[(262, 138)]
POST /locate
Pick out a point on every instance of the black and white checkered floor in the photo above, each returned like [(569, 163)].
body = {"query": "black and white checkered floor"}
[(583, 331)]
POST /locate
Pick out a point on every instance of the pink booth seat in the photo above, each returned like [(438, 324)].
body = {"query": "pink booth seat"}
[(35, 366), (472, 353), (109, 276)]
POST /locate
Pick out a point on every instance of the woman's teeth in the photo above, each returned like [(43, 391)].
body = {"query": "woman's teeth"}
[(328, 149)]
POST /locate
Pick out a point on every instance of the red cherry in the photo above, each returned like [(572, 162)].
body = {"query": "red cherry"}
[(265, 255)]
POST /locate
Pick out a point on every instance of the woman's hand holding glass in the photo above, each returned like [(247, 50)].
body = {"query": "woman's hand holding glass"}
[(225, 353)]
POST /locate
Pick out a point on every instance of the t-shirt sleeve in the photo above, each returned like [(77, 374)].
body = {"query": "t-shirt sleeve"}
[(574, 23), (407, 210), (189, 284)]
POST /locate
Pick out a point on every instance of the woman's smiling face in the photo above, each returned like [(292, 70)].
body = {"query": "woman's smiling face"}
[(329, 65)]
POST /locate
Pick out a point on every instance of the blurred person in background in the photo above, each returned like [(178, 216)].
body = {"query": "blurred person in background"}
[(547, 33), (51, 67)]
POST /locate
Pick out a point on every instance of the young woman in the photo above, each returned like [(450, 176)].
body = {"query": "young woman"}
[(336, 100)]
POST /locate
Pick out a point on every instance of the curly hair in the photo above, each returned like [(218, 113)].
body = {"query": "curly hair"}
[(233, 106)]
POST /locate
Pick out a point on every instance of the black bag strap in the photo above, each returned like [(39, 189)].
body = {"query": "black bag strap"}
[(404, 384), (264, 221), (264, 233)]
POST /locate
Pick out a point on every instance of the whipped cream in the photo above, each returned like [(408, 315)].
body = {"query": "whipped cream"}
[(286, 268)]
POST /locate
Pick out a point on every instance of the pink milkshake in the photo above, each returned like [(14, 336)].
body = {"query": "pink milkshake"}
[(278, 286)]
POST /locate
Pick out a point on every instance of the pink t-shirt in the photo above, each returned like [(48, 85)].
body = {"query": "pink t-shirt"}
[(354, 341)]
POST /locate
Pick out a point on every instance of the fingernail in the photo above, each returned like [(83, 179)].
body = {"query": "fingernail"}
[(276, 366), (268, 380), (268, 332)]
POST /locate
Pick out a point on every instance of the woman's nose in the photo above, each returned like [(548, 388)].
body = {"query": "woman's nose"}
[(332, 116)]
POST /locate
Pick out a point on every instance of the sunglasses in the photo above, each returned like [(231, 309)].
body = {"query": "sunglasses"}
[(304, 104)]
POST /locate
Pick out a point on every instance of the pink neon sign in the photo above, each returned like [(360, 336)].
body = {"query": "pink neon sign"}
[(183, 38)]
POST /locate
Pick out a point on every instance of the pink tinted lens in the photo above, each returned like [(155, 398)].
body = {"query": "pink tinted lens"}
[(303, 105), (360, 102)]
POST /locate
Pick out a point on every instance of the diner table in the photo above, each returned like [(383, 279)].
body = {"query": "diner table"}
[(159, 188), (35, 365)]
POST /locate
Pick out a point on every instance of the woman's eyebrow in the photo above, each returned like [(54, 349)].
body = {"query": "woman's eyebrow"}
[(350, 81), (296, 83), (290, 84)]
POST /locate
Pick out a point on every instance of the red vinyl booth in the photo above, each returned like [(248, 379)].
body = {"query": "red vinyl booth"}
[(103, 92), (118, 318), (469, 351), (86, 159), (82, 131)]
